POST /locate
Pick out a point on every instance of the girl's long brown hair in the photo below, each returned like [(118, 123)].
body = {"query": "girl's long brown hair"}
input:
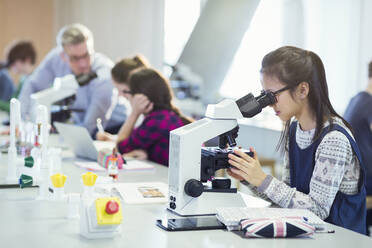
[(152, 84)]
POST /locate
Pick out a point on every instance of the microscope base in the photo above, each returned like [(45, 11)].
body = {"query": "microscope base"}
[(207, 203)]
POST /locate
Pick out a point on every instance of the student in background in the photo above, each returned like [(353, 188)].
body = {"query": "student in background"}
[(323, 170), (119, 74), (75, 55), (20, 59), (359, 114), (151, 95)]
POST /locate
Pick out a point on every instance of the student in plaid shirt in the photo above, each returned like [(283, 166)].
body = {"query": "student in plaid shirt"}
[(150, 94)]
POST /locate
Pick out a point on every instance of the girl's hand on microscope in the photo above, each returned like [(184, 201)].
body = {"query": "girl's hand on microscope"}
[(246, 167)]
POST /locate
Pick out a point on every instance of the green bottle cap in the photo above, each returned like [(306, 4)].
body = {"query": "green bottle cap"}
[(25, 181), (29, 162)]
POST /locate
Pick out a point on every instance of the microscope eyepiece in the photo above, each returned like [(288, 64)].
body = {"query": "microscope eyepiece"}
[(266, 98), (251, 106)]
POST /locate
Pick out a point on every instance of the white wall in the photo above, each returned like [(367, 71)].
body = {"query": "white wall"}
[(365, 46), (333, 32), (24, 19), (120, 27), (339, 31)]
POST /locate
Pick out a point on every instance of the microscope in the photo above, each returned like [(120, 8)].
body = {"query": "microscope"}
[(191, 166), (59, 98)]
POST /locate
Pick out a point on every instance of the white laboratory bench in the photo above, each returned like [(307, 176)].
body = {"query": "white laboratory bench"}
[(25, 222)]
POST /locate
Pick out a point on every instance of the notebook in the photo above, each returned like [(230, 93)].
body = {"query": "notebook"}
[(231, 216)]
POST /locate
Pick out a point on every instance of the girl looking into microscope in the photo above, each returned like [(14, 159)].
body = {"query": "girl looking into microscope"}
[(150, 95), (323, 171)]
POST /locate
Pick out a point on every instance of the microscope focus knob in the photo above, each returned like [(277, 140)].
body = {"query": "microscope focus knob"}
[(194, 188)]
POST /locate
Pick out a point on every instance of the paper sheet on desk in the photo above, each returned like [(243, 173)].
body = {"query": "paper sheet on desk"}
[(131, 165), (92, 166), (137, 193), (137, 165)]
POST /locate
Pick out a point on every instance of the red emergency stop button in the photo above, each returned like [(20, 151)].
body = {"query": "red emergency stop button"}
[(112, 207)]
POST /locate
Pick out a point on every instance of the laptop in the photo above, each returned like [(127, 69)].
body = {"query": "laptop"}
[(80, 141)]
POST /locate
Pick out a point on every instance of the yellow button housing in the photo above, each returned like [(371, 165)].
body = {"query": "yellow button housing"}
[(89, 178), (58, 180), (104, 218)]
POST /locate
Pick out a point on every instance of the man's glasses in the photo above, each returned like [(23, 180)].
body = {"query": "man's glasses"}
[(75, 59)]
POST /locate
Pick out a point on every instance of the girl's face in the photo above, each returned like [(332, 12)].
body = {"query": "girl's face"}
[(123, 90), (285, 107)]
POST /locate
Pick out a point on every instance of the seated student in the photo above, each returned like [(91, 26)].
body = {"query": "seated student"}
[(359, 114), (323, 170), (119, 74), (151, 95), (20, 58)]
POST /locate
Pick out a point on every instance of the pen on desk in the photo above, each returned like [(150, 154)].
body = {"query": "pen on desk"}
[(99, 125)]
